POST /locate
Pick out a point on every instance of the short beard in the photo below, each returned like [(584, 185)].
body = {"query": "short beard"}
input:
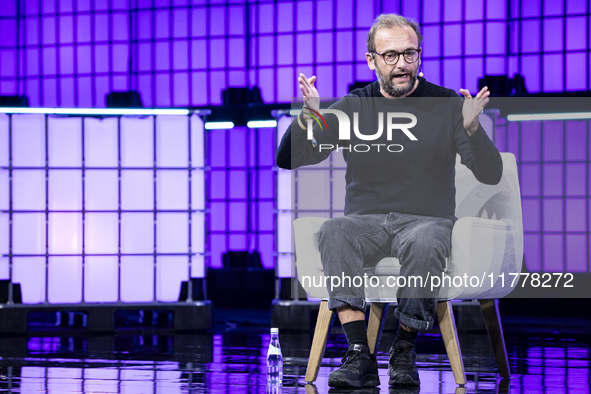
[(389, 86)]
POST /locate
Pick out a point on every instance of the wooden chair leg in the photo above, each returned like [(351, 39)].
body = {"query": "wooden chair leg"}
[(492, 319), (323, 324), (311, 389), (374, 326), (449, 333)]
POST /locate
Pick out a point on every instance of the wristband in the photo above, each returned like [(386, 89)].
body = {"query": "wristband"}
[(314, 142), (300, 121)]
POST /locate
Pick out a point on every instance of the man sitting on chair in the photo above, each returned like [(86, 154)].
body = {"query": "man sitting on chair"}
[(398, 203)]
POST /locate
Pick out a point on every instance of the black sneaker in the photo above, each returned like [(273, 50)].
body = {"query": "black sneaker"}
[(359, 369), (403, 368)]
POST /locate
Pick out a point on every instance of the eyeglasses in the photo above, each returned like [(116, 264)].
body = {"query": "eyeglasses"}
[(391, 58)]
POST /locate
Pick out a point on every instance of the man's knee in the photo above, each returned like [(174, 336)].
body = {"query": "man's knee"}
[(431, 246), (432, 240), (337, 224), (424, 255), (334, 229)]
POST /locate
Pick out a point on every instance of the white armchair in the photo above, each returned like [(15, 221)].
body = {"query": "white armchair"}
[(487, 241)]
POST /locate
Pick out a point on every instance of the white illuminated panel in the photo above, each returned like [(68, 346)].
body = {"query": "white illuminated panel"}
[(319, 191), (137, 233), (28, 141), (284, 233), (101, 233), (172, 233), (65, 280), (197, 147), (3, 141), (65, 190), (555, 116), (284, 266), (4, 234), (71, 176), (197, 268), (285, 215), (100, 142), (338, 186), (65, 233), (28, 233), (198, 189), (137, 142), (197, 234), (172, 189), (137, 278), (64, 137), (137, 190), (94, 111), (172, 141), (100, 279), (29, 186), (101, 190), (171, 270), (313, 190), (4, 197), (30, 273)]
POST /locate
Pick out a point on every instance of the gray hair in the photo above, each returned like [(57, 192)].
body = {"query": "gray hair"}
[(389, 21)]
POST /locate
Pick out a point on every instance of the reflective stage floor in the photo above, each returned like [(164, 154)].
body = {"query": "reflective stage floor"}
[(232, 360)]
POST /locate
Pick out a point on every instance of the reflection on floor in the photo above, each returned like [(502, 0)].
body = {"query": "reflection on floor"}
[(232, 360)]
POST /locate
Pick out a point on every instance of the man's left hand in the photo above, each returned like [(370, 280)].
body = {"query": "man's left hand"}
[(473, 107)]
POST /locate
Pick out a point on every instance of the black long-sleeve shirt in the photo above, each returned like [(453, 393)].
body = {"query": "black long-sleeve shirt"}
[(418, 180)]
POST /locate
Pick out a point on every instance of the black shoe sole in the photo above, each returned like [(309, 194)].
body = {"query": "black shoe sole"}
[(366, 381), (404, 380)]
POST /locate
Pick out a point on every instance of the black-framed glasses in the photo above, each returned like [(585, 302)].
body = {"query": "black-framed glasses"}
[(391, 58)]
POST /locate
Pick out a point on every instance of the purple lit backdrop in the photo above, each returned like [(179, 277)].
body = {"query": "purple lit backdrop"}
[(555, 174), (241, 192), (184, 53)]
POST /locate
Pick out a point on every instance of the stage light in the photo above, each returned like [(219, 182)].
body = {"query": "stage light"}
[(14, 101), (94, 111), (557, 116), (218, 125), (129, 99), (242, 96), (503, 86), (253, 124)]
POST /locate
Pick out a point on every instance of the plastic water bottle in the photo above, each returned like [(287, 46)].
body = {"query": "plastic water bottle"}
[(274, 359)]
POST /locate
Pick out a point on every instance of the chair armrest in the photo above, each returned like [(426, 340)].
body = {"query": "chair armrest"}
[(483, 248), (308, 262)]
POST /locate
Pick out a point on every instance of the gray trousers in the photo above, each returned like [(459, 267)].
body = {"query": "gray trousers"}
[(421, 243)]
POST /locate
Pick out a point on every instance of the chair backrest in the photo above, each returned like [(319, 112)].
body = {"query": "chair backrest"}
[(473, 199), (502, 254), (500, 202)]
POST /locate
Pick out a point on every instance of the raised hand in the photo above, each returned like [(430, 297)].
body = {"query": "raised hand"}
[(473, 106), (309, 92)]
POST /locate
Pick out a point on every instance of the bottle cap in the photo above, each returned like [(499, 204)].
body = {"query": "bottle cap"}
[(274, 331)]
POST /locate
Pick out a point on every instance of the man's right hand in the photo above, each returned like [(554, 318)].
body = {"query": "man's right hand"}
[(309, 93)]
